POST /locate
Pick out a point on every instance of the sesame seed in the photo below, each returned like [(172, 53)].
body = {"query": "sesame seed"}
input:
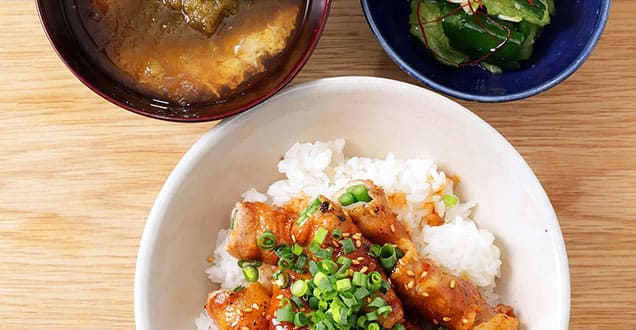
[(357, 236), (245, 328), (364, 269), (452, 284), (355, 262), (401, 262), (410, 273), (239, 313), (423, 275), (360, 258), (392, 228), (255, 306), (279, 297), (248, 310), (410, 284), (358, 243), (294, 238), (446, 319), (464, 321), (346, 234), (435, 321)]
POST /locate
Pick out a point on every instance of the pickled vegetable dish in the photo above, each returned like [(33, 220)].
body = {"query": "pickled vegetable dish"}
[(494, 34), (186, 51)]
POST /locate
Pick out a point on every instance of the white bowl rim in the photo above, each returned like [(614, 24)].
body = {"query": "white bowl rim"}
[(198, 149)]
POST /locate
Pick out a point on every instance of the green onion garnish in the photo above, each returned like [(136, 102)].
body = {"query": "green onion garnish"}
[(374, 281), (281, 279), (313, 207), (388, 256), (266, 240), (320, 236), (347, 245), (285, 314), (360, 193), (327, 266), (297, 249), (299, 288), (239, 288), (373, 326), (346, 199), (301, 319), (374, 250), (449, 200), (399, 327), (336, 234), (250, 273)]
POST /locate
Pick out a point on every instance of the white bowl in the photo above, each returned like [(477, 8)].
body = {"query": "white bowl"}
[(375, 116)]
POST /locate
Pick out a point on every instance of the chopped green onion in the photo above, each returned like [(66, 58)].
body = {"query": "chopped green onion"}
[(360, 279), (385, 286), (343, 284), (318, 277), (266, 240), (399, 327), (374, 281), (324, 253), (347, 245), (342, 260), (313, 267), (327, 266), (346, 199), (377, 302), (336, 234), (284, 263), (300, 263), (281, 279), (373, 326), (283, 251), (285, 314), (248, 263), (297, 249), (299, 288), (374, 250), (301, 319), (233, 218), (320, 236), (388, 256), (384, 310), (361, 293), (313, 207), (449, 200), (362, 321), (371, 316), (360, 193), (250, 273), (238, 288)]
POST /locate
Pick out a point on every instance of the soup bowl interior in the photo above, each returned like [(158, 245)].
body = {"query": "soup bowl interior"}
[(75, 48), (195, 202), (561, 48)]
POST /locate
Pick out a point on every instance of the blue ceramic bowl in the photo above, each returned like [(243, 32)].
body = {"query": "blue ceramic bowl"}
[(561, 49)]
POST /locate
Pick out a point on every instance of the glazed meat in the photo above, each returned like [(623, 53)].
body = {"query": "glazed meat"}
[(331, 217), (443, 298), (249, 220), (375, 219), (245, 308), (253, 219), (204, 15)]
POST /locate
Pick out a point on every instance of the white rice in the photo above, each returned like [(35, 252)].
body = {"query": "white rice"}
[(457, 246)]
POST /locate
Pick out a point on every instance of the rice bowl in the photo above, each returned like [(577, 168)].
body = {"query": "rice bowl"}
[(177, 239)]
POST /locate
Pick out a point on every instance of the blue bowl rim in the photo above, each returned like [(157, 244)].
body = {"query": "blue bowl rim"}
[(569, 70)]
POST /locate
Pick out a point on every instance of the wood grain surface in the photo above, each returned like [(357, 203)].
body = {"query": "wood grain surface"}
[(78, 175)]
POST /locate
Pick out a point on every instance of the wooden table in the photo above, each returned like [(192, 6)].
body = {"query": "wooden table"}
[(78, 176)]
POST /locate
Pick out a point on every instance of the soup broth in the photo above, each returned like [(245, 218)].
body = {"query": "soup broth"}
[(157, 51)]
